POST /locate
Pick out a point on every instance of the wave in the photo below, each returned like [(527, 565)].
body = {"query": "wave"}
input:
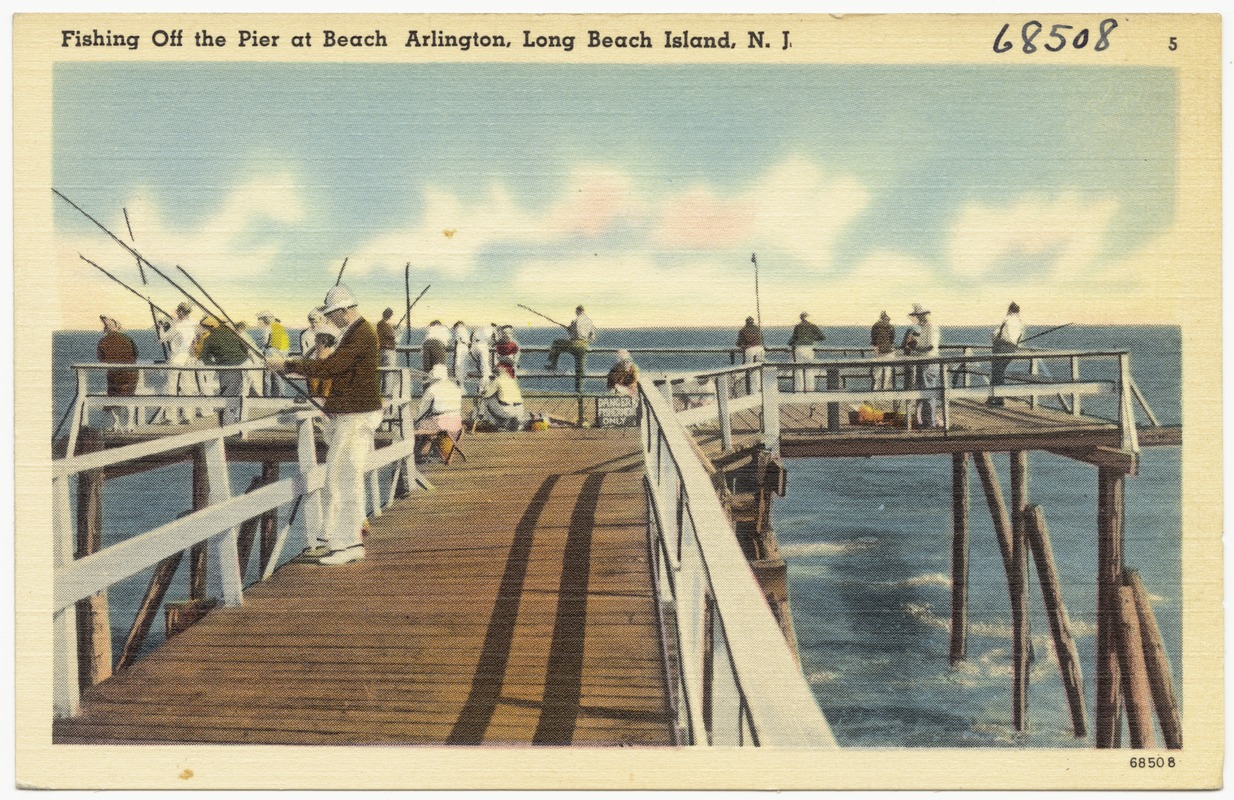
[(820, 676), (842, 548), (928, 579), (924, 613)]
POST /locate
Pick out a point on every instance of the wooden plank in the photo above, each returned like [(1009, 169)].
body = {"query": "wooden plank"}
[(476, 618)]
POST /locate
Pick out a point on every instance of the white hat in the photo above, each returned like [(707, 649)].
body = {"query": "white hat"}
[(338, 298), (918, 310), (316, 316), (438, 373), (267, 315), (623, 355)]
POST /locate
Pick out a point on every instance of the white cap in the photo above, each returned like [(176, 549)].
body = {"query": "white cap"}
[(316, 316), (438, 373), (267, 315), (338, 298)]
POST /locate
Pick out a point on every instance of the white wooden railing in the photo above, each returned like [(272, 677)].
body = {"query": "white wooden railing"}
[(733, 678), (713, 396), (217, 523)]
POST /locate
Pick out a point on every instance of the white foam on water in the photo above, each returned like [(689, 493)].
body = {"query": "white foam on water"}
[(842, 548), (929, 579), (820, 676)]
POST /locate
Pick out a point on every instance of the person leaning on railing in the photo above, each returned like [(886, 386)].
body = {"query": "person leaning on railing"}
[(117, 348), (222, 348), (805, 335), (883, 339)]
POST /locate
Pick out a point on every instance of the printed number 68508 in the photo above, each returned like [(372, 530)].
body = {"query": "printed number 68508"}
[(1151, 762)]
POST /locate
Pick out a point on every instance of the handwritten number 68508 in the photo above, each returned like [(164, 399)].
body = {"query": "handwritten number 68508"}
[(1055, 40)]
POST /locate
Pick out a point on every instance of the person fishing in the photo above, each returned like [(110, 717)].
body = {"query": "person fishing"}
[(582, 333), (1006, 338)]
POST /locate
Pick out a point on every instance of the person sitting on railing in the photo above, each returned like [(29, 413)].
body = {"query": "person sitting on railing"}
[(179, 337), (117, 348), (501, 400), (441, 409), (582, 333), (927, 344), (1005, 339), (802, 342), (750, 343), (222, 348), (883, 339), (623, 377)]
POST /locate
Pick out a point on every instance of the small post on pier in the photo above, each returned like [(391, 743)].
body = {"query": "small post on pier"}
[(93, 627), (1017, 582), (66, 691), (771, 409), (1109, 578), (197, 554), (723, 387), (959, 556), (833, 409), (1158, 665)]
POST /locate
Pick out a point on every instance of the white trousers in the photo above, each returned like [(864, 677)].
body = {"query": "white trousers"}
[(479, 352), (349, 438), (181, 383), (883, 378), (803, 379), (460, 363)]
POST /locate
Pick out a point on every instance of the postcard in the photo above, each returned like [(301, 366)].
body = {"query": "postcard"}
[(446, 401)]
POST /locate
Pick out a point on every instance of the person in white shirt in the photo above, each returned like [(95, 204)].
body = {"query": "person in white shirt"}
[(501, 400), (179, 337), (582, 333), (462, 344), (441, 407), (481, 342), (1005, 338), (929, 343)]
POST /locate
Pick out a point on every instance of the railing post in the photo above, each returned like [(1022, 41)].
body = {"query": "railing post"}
[(666, 389), (833, 409), (1075, 378), (723, 384), (226, 542), (771, 408), (306, 452), (1126, 411), (968, 375), (79, 411), (66, 691), (1032, 371), (945, 399)]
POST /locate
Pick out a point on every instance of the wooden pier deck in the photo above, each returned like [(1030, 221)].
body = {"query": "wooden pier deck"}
[(512, 606)]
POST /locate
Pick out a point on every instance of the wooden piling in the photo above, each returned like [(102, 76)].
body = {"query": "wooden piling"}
[(93, 626), (998, 509), (1158, 665), (1109, 579), (157, 589), (269, 520), (1017, 586), (1136, 692), (201, 499), (959, 557), (1056, 611)]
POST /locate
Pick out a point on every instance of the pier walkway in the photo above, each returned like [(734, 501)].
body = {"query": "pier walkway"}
[(513, 606)]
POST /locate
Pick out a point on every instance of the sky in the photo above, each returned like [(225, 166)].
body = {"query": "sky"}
[(638, 191)]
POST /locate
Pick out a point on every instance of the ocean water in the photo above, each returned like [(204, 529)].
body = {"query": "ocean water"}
[(867, 542)]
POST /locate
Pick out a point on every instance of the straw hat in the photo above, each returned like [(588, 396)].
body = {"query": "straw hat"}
[(918, 310)]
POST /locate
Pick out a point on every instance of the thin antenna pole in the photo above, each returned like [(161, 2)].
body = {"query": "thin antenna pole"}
[(758, 307)]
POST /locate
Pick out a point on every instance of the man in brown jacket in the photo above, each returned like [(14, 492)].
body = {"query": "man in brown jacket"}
[(353, 412), (117, 348)]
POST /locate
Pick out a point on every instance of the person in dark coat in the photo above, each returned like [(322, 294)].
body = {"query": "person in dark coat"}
[(117, 348)]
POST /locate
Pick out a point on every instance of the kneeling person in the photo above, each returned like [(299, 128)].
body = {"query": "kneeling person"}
[(501, 401)]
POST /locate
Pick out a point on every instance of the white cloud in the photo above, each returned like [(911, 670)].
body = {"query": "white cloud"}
[(1066, 233), (216, 252)]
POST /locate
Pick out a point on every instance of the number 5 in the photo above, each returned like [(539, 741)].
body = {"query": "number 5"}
[(1062, 40), (1173, 42)]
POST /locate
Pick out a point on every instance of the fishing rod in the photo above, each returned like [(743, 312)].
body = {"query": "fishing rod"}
[(546, 316), (141, 271), (122, 283), (340, 272), (1043, 333), (407, 316), (243, 339), (758, 307)]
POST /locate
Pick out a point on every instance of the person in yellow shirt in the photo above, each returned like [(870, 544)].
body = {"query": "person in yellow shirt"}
[(276, 343)]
